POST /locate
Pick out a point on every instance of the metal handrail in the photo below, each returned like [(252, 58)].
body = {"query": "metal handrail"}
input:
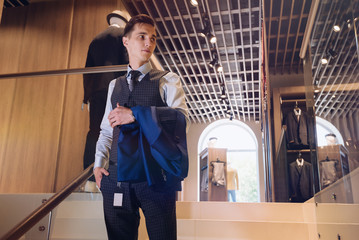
[(27, 223), (101, 69)]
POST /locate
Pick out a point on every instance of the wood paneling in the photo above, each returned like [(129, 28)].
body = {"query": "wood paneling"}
[(12, 26), (11, 32), (88, 21), (47, 32), (1, 8), (43, 129), (30, 157), (32, 143)]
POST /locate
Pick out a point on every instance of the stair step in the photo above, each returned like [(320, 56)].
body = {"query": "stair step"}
[(241, 230)]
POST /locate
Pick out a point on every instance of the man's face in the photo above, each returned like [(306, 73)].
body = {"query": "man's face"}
[(140, 44)]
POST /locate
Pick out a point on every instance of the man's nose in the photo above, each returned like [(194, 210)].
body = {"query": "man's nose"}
[(148, 43)]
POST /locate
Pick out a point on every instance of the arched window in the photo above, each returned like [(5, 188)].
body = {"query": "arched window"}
[(324, 128), (242, 156)]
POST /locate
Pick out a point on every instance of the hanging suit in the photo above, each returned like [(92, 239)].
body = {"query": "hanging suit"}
[(297, 131), (301, 184)]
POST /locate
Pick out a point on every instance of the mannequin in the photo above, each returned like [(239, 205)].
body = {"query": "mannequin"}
[(117, 21), (232, 182), (105, 49)]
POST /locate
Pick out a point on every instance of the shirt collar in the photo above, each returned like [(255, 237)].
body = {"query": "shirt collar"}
[(144, 69)]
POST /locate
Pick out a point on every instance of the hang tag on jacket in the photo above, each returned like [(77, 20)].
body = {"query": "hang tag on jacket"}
[(117, 199)]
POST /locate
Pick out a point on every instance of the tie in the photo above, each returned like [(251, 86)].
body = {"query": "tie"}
[(134, 79)]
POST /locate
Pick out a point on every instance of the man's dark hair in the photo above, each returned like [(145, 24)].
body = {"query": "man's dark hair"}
[(141, 18)]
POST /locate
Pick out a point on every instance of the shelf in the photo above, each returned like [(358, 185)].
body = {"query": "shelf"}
[(299, 150)]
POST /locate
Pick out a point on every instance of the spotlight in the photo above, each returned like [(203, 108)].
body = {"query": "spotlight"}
[(194, 3), (223, 95), (213, 62), (324, 61), (206, 27), (336, 28), (228, 113), (212, 38), (332, 53), (218, 67), (203, 33), (206, 33)]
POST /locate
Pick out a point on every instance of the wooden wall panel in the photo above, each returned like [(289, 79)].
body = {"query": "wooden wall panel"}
[(42, 127), (1, 8), (33, 139), (12, 26), (88, 21)]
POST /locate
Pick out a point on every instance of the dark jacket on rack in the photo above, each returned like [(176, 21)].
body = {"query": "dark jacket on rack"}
[(301, 184), (297, 130)]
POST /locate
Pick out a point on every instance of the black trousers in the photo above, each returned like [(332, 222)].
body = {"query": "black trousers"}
[(159, 209), (97, 110)]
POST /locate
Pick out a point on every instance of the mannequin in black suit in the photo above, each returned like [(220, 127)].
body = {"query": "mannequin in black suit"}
[(105, 49)]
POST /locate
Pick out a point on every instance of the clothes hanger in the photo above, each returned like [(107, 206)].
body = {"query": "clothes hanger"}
[(204, 168), (297, 110), (300, 160), (218, 161)]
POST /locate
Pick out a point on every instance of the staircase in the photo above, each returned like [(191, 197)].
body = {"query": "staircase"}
[(81, 217)]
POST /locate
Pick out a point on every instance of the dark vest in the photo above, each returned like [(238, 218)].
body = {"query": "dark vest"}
[(145, 93)]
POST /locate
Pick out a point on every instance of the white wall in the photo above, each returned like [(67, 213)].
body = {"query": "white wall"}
[(190, 186)]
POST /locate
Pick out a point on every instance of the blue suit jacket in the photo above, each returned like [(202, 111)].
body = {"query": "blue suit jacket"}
[(158, 137)]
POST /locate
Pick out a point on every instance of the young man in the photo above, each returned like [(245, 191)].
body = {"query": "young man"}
[(141, 142)]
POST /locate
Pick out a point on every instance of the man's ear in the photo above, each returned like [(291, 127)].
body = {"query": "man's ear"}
[(125, 41)]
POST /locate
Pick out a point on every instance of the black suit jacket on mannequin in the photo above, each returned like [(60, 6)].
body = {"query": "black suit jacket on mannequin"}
[(105, 49)]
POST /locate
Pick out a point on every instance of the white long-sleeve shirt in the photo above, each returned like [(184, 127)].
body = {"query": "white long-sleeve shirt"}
[(171, 92)]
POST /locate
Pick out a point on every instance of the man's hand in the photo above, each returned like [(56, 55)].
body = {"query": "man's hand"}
[(120, 116), (83, 104), (98, 172)]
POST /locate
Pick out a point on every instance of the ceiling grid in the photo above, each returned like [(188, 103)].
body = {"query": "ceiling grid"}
[(180, 48), (336, 78)]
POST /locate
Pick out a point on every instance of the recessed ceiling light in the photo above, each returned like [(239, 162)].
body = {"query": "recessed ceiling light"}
[(324, 61)]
